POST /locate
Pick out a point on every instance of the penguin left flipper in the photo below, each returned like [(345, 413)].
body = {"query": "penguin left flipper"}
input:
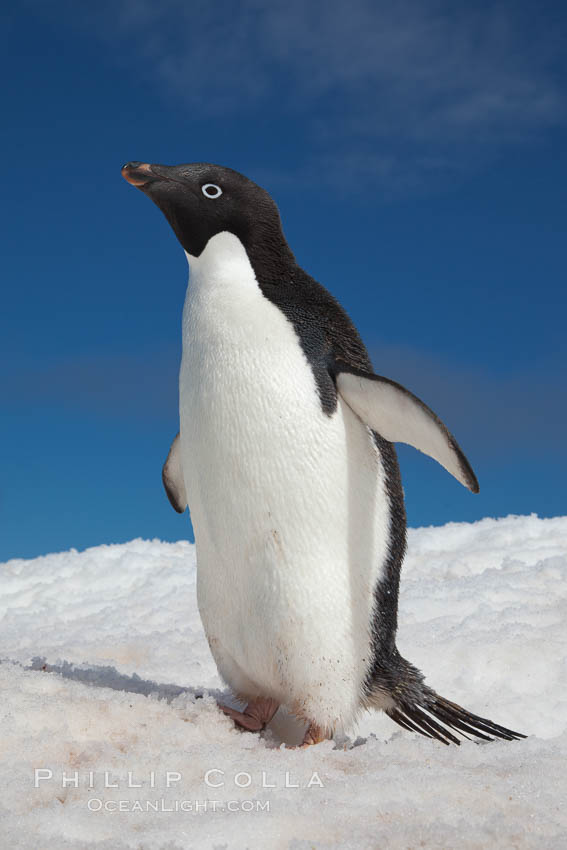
[(401, 417), (172, 477)]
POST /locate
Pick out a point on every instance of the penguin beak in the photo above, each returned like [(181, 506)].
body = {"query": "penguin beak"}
[(139, 173)]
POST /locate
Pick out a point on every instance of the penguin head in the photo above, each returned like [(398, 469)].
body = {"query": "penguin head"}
[(200, 200)]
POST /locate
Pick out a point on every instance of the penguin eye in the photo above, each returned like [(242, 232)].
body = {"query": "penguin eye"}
[(211, 190)]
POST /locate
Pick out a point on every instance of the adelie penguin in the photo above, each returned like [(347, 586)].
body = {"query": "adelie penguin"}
[(285, 457)]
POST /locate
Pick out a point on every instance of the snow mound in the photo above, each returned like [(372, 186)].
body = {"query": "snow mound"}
[(111, 737)]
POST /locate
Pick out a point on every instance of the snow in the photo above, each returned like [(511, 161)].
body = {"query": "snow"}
[(105, 669)]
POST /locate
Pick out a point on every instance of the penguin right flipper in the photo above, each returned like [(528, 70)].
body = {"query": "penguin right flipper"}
[(399, 416), (172, 477)]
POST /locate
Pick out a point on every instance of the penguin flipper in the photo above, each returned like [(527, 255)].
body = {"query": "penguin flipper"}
[(399, 416), (172, 477)]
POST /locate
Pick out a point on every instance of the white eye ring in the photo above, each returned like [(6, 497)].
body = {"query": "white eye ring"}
[(211, 190)]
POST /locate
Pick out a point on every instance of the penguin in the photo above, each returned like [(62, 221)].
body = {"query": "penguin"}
[(286, 459)]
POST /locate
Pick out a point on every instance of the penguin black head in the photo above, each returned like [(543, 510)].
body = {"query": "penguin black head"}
[(200, 200)]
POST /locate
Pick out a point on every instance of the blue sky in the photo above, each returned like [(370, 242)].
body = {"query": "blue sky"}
[(418, 153)]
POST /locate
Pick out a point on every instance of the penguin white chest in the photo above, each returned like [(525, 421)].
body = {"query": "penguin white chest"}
[(288, 504)]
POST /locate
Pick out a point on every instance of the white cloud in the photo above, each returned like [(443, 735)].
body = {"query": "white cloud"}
[(401, 85)]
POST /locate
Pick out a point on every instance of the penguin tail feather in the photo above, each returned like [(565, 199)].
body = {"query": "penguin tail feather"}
[(414, 706), (433, 718)]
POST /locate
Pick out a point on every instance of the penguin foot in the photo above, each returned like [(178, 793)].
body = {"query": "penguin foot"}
[(255, 716), (314, 735)]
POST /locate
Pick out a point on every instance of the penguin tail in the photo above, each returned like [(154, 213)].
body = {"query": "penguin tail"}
[(438, 716), (414, 706)]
